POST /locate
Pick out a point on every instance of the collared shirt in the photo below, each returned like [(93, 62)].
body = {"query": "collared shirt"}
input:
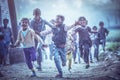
[(40, 25)]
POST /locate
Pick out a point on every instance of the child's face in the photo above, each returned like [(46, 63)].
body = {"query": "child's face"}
[(83, 23), (58, 21), (24, 24), (37, 17), (5, 23), (101, 25), (94, 29)]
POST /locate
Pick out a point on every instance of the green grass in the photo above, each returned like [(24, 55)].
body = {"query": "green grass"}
[(114, 35), (113, 46), (113, 40)]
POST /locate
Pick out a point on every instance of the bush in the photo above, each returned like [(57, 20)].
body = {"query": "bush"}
[(113, 46), (114, 35)]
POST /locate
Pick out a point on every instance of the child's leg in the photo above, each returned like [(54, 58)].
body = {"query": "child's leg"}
[(70, 61), (27, 52), (69, 58)]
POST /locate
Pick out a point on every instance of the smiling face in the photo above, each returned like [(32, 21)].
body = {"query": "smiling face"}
[(5, 22), (24, 24), (82, 21)]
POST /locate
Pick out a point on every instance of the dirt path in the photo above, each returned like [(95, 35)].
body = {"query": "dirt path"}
[(97, 71)]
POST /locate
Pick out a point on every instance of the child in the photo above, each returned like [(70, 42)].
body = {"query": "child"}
[(26, 36), (95, 42), (69, 49), (84, 39), (8, 38), (102, 32)]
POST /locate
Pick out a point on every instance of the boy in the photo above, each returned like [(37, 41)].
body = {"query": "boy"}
[(59, 30), (84, 39), (38, 25), (8, 38), (95, 42), (26, 36), (102, 32)]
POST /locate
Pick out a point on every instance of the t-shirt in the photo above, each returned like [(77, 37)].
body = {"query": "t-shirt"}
[(83, 33)]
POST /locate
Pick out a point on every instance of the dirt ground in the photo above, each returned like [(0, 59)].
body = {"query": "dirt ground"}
[(97, 71)]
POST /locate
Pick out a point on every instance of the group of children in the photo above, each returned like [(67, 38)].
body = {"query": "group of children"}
[(32, 36)]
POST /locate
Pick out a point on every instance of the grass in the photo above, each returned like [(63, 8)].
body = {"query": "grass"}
[(113, 46), (113, 40), (114, 35)]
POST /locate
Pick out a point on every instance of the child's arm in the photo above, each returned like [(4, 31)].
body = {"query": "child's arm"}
[(18, 39), (72, 26), (46, 32)]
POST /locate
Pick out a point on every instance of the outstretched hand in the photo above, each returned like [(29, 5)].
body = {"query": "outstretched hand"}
[(44, 45), (13, 46), (76, 23)]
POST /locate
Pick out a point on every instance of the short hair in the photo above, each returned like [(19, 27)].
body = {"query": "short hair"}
[(94, 27), (37, 11), (82, 18), (5, 20), (101, 23), (25, 19), (61, 16)]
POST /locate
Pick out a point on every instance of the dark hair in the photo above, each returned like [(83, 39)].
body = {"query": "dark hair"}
[(101, 23), (82, 18), (37, 11), (25, 19), (5, 20), (94, 27), (62, 17)]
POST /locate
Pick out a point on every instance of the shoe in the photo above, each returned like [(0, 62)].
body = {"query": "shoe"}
[(75, 62), (87, 66), (39, 68), (69, 68), (63, 64), (91, 61), (58, 76), (79, 62), (33, 75), (104, 50)]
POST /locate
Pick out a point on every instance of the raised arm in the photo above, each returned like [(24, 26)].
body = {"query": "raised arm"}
[(49, 24), (72, 26), (46, 32)]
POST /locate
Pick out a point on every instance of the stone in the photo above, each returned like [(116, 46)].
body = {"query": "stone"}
[(16, 55)]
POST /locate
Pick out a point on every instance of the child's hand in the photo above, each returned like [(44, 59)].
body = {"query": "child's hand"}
[(44, 45)]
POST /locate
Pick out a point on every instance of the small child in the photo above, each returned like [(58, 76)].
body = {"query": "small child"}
[(69, 49)]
